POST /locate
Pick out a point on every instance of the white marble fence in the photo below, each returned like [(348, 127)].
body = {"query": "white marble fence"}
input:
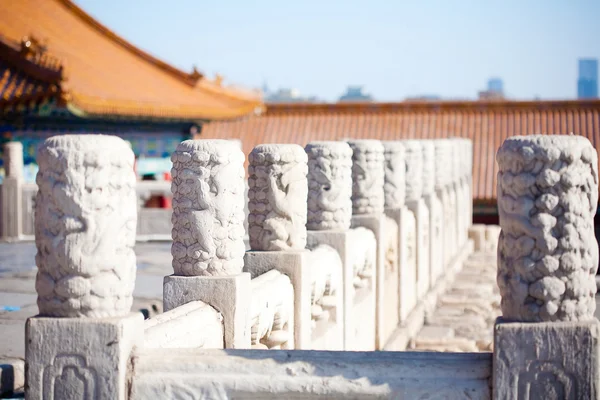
[(351, 244)]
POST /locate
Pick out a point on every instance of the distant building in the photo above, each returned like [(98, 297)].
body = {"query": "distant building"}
[(355, 93), (494, 91), (495, 85), (425, 97), (587, 83), (287, 96)]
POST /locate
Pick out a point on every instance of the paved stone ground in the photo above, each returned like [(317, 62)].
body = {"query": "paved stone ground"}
[(18, 296), (464, 316), (463, 320)]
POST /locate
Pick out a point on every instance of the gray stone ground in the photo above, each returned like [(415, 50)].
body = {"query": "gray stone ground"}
[(18, 297)]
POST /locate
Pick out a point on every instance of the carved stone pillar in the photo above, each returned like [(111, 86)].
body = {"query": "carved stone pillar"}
[(330, 185), (368, 207), (208, 208), (400, 276), (419, 173), (11, 218), (85, 221), (329, 220), (208, 234), (367, 177), (277, 204), (277, 197), (546, 343)]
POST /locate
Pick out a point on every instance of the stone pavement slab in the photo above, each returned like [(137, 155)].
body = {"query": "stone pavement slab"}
[(18, 299)]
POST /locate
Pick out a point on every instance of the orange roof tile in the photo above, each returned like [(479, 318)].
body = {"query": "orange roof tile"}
[(105, 74), (487, 123)]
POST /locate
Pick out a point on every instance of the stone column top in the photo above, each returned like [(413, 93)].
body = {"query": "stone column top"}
[(414, 169), (333, 149), (203, 149), (277, 154), (60, 147)]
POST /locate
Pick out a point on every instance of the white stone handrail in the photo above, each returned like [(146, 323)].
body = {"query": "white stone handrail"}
[(192, 325), (272, 311), (282, 374)]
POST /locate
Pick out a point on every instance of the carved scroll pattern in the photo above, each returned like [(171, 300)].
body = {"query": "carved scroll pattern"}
[(363, 257), (330, 185), (548, 254), (272, 311), (277, 195), (414, 170), (326, 276), (395, 175), (85, 221), (208, 208), (367, 177)]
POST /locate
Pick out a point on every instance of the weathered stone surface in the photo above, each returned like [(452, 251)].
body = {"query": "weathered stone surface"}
[(208, 208), (278, 192), (443, 157), (357, 250), (272, 311), (548, 254), (218, 374), (429, 167), (295, 265), (13, 159), (368, 177), (330, 185), (550, 360), (395, 175), (229, 295), (192, 325), (80, 358), (414, 169), (85, 226)]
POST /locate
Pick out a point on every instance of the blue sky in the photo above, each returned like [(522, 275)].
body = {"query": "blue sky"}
[(395, 48)]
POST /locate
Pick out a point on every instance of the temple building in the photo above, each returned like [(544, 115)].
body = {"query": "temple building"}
[(61, 71)]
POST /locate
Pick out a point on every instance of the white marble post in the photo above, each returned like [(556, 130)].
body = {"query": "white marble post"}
[(11, 217), (419, 177), (395, 208), (329, 219), (368, 206), (208, 234), (277, 204), (85, 221), (546, 343)]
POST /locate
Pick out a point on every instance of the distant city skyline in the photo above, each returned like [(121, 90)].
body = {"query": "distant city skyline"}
[(395, 50), (587, 82)]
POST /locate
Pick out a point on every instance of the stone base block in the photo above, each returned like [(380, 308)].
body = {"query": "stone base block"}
[(294, 265), (376, 223), (80, 358), (357, 302), (229, 295), (553, 360)]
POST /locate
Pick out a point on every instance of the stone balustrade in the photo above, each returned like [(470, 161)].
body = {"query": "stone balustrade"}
[(378, 251)]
